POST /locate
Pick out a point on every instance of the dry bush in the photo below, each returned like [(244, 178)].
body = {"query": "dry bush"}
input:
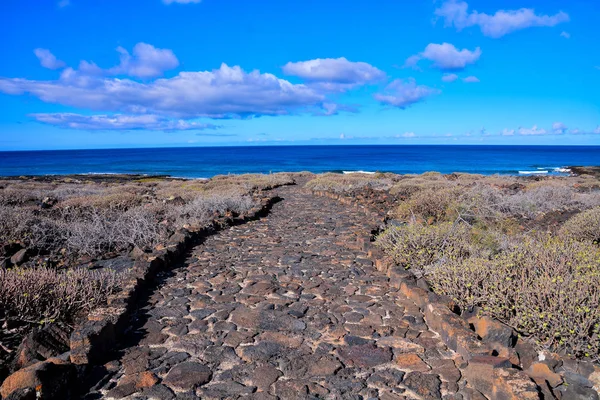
[(15, 195), (338, 183), (252, 182), (583, 226), (14, 223), (97, 231), (432, 205), (122, 200), (203, 209), (545, 287), (407, 185), (92, 219), (39, 295), (529, 203), (67, 191)]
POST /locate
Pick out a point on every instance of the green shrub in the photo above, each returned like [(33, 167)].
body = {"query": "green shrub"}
[(545, 287), (418, 247), (583, 226)]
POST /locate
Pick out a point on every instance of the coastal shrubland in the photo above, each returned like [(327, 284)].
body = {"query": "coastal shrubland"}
[(337, 183), (584, 226), (522, 250), (53, 229), (525, 250)]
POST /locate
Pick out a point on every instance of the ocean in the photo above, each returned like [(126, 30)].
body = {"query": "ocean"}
[(205, 162)]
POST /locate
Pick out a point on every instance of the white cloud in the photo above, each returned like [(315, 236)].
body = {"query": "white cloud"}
[(471, 79), (455, 12), (449, 77), (445, 56), (559, 128), (508, 132), (47, 59), (227, 92), (566, 35), (63, 3), (119, 122), (400, 93), (181, 1), (408, 135), (597, 130), (329, 109), (146, 62), (334, 74), (532, 131)]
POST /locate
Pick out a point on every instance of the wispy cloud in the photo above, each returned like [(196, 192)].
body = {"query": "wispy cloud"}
[(559, 128), (445, 57), (334, 74), (147, 61), (47, 59), (63, 3), (119, 122), (404, 93), (566, 35), (456, 13), (532, 131), (329, 109), (471, 79), (449, 77)]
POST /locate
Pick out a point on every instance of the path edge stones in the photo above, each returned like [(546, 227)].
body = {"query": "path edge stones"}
[(94, 340), (482, 368)]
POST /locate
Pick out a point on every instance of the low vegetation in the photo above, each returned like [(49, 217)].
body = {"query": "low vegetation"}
[(40, 295), (338, 183), (50, 230), (524, 250)]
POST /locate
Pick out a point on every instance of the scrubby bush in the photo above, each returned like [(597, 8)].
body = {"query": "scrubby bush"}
[(529, 203), (431, 205), (545, 287), (418, 247), (411, 184), (39, 295), (202, 209), (583, 226), (339, 183)]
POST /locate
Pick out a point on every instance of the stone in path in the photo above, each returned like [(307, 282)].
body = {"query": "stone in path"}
[(286, 308)]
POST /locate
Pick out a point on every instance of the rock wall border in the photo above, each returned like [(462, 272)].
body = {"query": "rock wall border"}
[(94, 340)]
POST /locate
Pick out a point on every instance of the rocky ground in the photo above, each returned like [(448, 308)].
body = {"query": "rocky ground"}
[(284, 307)]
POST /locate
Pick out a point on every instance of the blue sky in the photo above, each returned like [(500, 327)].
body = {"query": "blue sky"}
[(146, 73)]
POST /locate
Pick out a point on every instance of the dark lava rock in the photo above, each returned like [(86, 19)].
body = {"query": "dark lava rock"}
[(20, 257), (365, 355), (426, 385), (188, 375)]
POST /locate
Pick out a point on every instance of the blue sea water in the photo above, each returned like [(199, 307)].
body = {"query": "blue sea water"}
[(205, 162)]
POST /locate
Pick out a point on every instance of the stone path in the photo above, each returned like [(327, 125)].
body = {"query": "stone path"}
[(283, 308)]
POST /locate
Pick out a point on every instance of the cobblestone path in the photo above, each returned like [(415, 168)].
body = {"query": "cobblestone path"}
[(283, 308)]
